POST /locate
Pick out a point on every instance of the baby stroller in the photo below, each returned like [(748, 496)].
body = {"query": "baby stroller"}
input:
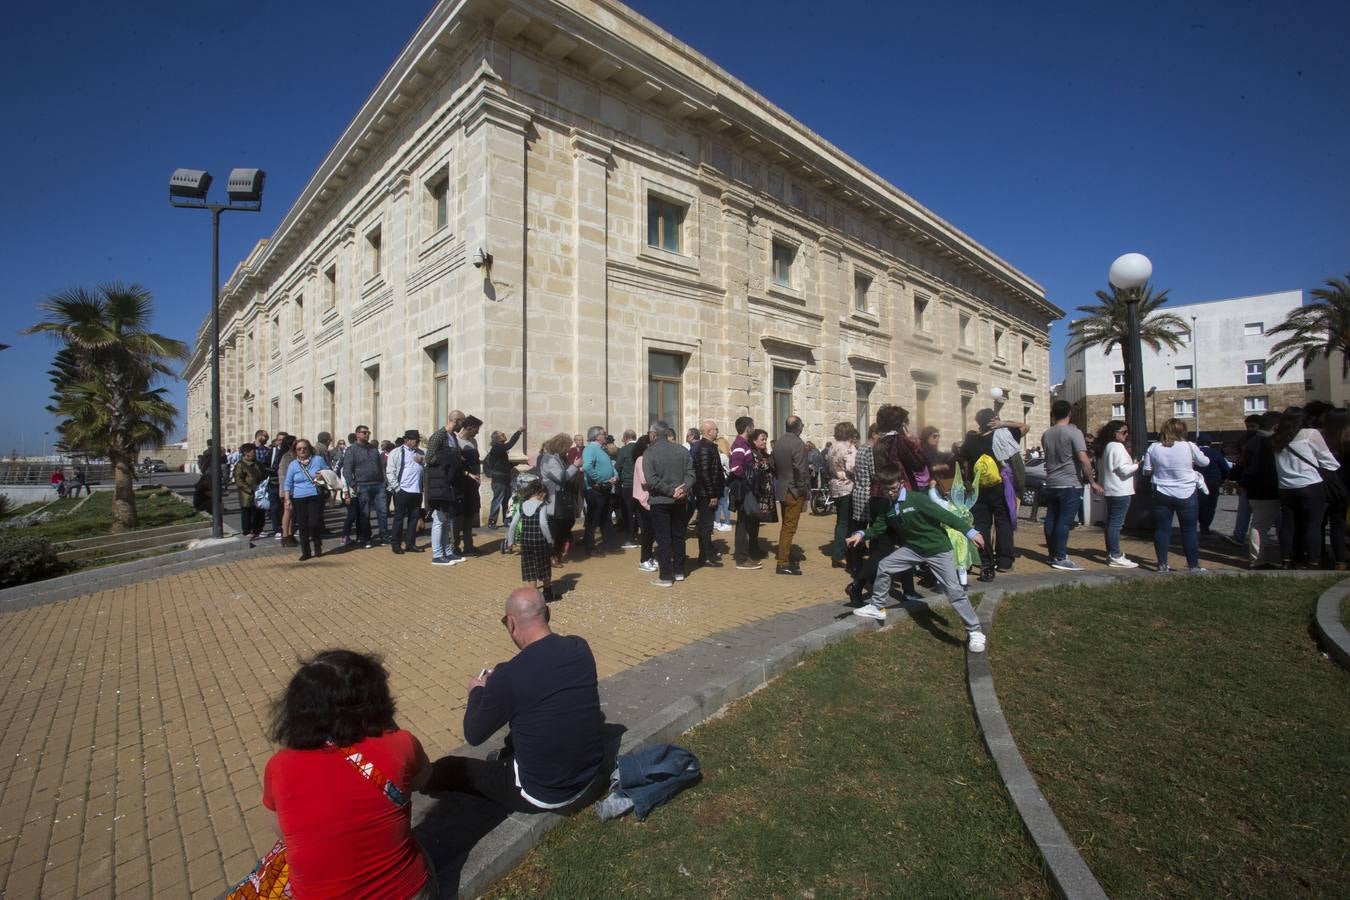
[(820, 499)]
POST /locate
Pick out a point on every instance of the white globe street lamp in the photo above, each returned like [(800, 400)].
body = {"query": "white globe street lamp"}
[(1127, 274)]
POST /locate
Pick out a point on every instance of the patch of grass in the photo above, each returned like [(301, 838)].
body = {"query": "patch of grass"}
[(94, 518), (858, 774), (1188, 733)]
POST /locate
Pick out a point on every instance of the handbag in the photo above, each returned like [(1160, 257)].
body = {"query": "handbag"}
[(271, 877), (261, 498), (320, 488), (1336, 490)]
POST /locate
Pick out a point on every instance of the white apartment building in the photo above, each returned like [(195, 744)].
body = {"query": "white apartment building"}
[(1211, 381)]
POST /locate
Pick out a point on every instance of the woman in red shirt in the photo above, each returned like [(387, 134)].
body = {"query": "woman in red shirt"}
[(347, 834)]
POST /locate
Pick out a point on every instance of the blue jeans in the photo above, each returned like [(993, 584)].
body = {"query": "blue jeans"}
[(442, 533), (501, 496), (372, 495), (724, 507), (1244, 518), (1060, 511), (1116, 507), (1187, 511)]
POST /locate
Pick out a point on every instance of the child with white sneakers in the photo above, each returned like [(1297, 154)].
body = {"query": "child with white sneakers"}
[(917, 525)]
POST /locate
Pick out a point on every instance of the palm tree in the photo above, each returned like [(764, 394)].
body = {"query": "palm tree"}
[(1107, 324), (104, 376), (1316, 329)]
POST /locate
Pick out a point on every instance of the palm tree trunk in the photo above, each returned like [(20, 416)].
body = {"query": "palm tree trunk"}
[(124, 516), (1128, 366)]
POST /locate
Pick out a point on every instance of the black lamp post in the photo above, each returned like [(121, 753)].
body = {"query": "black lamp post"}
[(188, 188), (1129, 273)]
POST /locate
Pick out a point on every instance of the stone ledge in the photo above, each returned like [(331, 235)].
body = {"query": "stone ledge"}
[(1327, 621)]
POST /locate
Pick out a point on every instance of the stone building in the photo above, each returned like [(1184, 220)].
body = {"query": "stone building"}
[(1223, 376), (655, 239)]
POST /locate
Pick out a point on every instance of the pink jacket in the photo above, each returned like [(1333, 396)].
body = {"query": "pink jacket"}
[(639, 485)]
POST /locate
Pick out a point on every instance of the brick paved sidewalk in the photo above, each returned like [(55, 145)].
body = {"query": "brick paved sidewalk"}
[(133, 719)]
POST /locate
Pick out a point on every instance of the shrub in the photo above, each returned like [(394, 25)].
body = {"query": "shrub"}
[(25, 558), (5, 504)]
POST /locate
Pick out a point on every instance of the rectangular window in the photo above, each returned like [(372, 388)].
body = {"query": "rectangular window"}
[(440, 383), (1117, 410), (1254, 329), (274, 416), (965, 413), (665, 380), (863, 393), (784, 380), (276, 333), (438, 203), (299, 409), (299, 310), (373, 391), (1185, 378), (330, 287), (1118, 381), (330, 396), (1256, 371), (920, 410), (998, 342), (1183, 409), (1255, 405), (665, 222), (920, 310), (963, 329), (783, 257), (1025, 359), (374, 260), (861, 285), (251, 342)]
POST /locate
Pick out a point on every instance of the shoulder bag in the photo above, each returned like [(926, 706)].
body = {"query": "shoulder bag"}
[(271, 878), (320, 488), (1336, 490)]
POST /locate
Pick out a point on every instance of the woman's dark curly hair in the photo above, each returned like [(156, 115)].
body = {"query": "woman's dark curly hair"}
[(340, 696)]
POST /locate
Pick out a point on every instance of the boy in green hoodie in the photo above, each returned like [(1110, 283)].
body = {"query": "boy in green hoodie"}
[(916, 523)]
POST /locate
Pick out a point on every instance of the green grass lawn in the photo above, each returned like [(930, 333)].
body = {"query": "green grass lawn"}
[(94, 518), (858, 774), (1188, 733)]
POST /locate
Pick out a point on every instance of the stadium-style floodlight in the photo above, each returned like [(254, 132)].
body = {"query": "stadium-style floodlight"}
[(1129, 273), (188, 188)]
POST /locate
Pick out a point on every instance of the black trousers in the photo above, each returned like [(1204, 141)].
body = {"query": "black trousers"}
[(707, 514), (670, 522), (308, 515), (407, 506), (645, 553), (1301, 511), (496, 780), (747, 538), (990, 513), (597, 515), (630, 513), (250, 519)]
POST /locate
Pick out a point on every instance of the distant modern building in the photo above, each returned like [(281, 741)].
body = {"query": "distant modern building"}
[(553, 213), (1211, 382)]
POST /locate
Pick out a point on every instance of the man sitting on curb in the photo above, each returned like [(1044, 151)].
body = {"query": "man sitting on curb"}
[(915, 521), (549, 696)]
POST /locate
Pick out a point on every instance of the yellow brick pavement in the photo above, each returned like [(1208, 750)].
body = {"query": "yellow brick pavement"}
[(133, 720)]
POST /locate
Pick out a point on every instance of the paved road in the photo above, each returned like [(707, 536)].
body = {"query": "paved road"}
[(133, 720)]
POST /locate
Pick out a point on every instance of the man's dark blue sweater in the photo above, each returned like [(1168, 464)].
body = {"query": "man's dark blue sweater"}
[(549, 695)]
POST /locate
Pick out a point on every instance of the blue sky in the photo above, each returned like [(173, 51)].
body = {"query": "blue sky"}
[(1211, 136)]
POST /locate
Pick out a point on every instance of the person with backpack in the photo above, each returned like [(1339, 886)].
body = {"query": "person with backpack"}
[(248, 475), (528, 530), (403, 476), (560, 478), (497, 467)]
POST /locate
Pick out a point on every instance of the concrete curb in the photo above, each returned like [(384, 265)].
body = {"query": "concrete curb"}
[(1068, 873), (77, 584), (1327, 621), (502, 849)]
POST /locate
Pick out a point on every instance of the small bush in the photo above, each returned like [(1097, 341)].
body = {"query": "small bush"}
[(25, 558), (5, 504)]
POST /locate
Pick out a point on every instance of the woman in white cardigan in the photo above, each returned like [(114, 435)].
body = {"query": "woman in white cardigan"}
[(1115, 471), (1299, 453), (1176, 482)]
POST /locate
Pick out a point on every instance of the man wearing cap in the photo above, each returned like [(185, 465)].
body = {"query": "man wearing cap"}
[(403, 475)]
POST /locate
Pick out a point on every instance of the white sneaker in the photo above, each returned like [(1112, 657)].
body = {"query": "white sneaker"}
[(658, 582), (648, 566), (629, 546), (1122, 562), (1198, 570), (871, 611), (975, 641), (679, 576)]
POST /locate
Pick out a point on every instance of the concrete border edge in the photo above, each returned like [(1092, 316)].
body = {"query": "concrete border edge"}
[(1331, 633), (1067, 870), (507, 844)]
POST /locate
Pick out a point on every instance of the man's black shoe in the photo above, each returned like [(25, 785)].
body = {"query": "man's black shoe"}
[(416, 549), (786, 570), (987, 573), (712, 563), (398, 550)]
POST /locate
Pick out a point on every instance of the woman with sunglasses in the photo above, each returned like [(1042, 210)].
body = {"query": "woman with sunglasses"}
[(304, 500), (1116, 470)]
